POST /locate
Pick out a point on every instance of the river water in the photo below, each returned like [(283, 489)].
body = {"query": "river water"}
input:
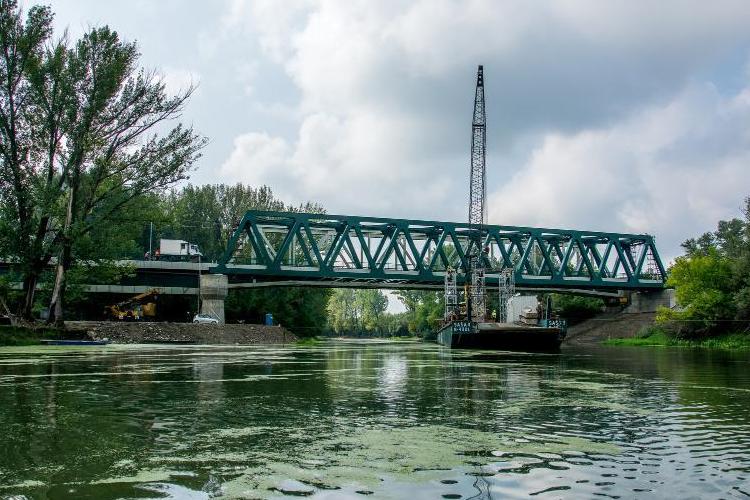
[(372, 420)]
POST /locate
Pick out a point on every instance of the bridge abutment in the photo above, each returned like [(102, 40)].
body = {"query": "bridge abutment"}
[(213, 290), (648, 302)]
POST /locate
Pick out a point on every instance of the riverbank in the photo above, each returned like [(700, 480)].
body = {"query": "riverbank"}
[(20, 335), (149, 333), (657, 338), (608, 326)]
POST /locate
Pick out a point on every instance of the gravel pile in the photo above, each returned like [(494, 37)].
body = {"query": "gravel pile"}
[(188, 333)]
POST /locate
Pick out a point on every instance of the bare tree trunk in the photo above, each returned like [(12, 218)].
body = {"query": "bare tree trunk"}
[(58, 292), (29, 287)]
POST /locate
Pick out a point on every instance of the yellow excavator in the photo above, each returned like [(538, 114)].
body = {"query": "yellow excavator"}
[(136, 308)]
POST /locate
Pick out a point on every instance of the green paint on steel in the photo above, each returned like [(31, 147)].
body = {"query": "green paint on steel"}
[(290, 246)]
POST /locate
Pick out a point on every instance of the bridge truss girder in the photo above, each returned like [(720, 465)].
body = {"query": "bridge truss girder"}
[(335, 249)]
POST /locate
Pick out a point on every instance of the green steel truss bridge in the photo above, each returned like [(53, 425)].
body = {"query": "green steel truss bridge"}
[(288, 248)]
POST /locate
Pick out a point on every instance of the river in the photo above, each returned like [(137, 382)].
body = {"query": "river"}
[(372, 420)]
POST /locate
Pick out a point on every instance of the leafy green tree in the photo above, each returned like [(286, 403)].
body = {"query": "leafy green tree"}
[(575, 308), (343, 312), (80, 139), (29, 179), (372, 305), (113, 154), (208, 215), (302, 310), (424, 309), (729, 248), (703, 290), (358, 311)]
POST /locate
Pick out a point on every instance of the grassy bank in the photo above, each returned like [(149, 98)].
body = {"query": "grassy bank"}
[(309, 341), (655, 337), (21, 335)]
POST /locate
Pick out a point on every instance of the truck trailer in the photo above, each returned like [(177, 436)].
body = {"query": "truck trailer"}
[(178, 250)]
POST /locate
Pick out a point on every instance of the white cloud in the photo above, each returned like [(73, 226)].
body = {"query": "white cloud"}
[(596, 110), (672, 170), (257, 158), (179, 79)]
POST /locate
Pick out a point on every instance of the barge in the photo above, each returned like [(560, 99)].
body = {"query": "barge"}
[(545, 337)]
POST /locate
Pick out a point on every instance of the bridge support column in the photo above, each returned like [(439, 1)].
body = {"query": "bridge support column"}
[(214, 289)]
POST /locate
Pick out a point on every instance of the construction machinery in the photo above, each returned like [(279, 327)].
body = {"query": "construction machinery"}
[(474, 307), (137, 308), (466, 323)]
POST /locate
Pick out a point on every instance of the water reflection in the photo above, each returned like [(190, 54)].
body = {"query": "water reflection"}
[(391, 419)]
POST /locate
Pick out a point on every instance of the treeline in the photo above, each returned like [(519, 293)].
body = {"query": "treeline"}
[(712, 283), (206, 215), (363, 312)]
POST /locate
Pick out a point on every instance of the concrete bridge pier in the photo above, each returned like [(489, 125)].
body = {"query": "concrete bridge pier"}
[(649, 302), (213, 291)]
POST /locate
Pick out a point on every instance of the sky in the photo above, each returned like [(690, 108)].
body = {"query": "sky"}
[(623, 116)]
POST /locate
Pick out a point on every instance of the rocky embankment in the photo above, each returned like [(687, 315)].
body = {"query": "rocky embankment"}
[(183, 333), (609, 326)]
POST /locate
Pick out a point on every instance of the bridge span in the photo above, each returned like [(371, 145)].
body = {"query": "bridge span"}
[(340, 250), (305, 249)]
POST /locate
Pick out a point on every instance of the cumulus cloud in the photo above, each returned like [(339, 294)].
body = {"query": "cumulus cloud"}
[(600, 115), (670, 170), (257, 158)]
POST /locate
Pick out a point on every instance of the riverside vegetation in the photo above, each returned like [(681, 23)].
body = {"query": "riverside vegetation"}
[(712, 288)]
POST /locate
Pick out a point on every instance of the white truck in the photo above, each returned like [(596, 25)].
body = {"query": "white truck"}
[(178, 250)]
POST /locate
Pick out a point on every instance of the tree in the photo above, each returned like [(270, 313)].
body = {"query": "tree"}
[(358, 311), (703, 290), (424, 309), (28, 139), (576, 308), (729, 244), (78, 125), (112, 154), (302, 310), (343, 314), (371, 305)]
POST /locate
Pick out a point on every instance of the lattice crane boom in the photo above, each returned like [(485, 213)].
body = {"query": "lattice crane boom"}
[(475, 285), (477, 181)]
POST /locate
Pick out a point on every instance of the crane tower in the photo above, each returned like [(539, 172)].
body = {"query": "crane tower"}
[(474, 287), (477, 183)]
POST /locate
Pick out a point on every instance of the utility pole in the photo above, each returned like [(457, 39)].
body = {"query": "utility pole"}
[(150, 239)]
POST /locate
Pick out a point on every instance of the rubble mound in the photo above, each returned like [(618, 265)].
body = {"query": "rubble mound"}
[(187, 333)]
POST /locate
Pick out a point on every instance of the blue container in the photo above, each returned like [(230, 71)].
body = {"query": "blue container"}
[(269, 319)]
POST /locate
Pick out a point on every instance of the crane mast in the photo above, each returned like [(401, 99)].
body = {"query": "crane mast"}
[(477, 183), (474, 287)]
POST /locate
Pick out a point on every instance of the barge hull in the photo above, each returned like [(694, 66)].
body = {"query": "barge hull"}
[(502, 337)]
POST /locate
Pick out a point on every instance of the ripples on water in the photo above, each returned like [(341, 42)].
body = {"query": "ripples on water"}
[(378, 420)]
